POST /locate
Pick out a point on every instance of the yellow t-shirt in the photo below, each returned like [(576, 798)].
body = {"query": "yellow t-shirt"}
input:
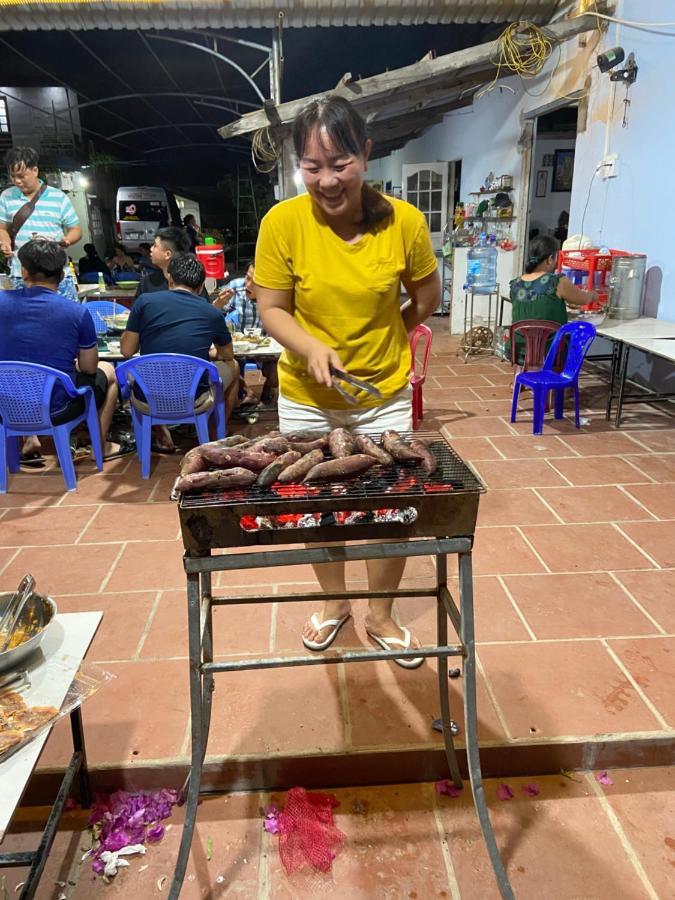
[(346, 295)]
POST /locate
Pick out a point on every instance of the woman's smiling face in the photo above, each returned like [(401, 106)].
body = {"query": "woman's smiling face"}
[(333, 178)]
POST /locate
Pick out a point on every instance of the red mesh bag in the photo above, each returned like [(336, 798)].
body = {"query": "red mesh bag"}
[(308, 835)]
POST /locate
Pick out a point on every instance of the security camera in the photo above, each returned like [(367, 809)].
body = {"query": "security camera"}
[(611, 58)]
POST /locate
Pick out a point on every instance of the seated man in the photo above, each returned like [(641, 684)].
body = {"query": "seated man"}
[(144, 260), (240, 298), (178, 320), (168, 242), (92, 263), (38, 325)]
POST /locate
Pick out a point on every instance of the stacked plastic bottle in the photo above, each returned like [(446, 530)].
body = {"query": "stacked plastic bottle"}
[(481, 269)]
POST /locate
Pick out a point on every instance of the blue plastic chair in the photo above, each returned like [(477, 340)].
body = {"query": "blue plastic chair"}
[(580, 336), (92, 278), (25, 401), (170, 383), (101, 308)]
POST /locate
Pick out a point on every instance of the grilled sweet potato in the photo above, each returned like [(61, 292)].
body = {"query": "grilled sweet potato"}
[(298, 470), (339, 469), (368, 446), (225, 478), (394, 444), (229, 457), (272, 472), (429, 461), (193, 461), (340, 443)]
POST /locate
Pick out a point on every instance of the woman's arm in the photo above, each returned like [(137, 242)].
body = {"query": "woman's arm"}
[(425, 296), (276, 311), (571, 294)]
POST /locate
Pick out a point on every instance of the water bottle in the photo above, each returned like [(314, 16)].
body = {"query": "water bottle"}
[(481, 269), (101, 282)]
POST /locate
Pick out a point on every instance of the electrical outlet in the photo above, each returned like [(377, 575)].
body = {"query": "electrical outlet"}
[(607, 167)]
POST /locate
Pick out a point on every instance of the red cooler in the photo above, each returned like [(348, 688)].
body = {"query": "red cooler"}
[(212, 258)]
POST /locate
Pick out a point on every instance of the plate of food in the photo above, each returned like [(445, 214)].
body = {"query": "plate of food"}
[(37, 615)]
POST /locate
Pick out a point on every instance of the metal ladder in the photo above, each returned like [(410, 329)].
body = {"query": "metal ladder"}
[(247, 218)]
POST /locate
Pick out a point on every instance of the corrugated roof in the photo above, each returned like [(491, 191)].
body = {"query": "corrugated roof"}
[(32, 15)]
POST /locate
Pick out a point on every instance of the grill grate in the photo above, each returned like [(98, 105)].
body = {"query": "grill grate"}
[(387, 486)]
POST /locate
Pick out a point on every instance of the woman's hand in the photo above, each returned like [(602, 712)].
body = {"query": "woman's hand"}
[(320, 358)]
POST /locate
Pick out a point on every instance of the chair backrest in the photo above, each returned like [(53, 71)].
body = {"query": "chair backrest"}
[(101, 308), (579, 337), (92, 278), (416, 335), (26, 393), (170, 381), (536, 333)]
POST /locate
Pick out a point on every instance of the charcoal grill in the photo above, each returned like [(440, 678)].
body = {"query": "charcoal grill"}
[(445, 508)]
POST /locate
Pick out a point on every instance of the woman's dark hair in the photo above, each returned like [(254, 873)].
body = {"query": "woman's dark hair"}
[(21, 155), (347, 132), (90, 250), (186, 270), (41, 257), (539, 250), (189, 220)]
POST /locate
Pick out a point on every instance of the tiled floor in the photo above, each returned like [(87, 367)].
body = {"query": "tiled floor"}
[(574, 838), (575, 577)]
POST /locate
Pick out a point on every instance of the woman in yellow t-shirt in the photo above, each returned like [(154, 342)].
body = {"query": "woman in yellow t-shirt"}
[(329, 266)]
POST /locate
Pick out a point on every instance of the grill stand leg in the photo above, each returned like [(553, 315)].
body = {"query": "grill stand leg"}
[(442, 629), (201, 688), (471, 724)]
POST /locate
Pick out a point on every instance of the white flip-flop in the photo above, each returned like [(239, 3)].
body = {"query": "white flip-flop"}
[(336, 625), (386, 642)]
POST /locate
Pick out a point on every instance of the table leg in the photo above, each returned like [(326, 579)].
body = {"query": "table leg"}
[(471, 724), (442, 641), (622, 384), (616, 357), (198, 734), (78, 746)]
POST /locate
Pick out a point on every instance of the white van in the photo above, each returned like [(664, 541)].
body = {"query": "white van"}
[(140, 211)]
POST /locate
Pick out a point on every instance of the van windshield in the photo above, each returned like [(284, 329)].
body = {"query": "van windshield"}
[(143, 211)]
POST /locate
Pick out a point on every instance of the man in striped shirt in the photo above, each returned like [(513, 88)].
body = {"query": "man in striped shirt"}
[(53, 216)]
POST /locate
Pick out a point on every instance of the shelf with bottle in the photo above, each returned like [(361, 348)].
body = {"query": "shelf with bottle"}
[(489, 218), (504, 190)]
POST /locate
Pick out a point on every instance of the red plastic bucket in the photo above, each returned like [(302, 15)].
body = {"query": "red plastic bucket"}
[(212, 258)]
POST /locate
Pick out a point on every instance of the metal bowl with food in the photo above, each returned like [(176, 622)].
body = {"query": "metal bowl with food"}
[(36, 617)]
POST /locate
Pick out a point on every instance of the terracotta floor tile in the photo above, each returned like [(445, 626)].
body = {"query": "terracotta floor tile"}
[(557, 606), (658, 498), (519, 506), (5, 556), (659, 466), (501, 551), (158, 522), (651, 663), (125, 617), (244, 629), (67, 569), (33, 490), (127, 722), (268, 576), (486, 407), (463, 425), (610, 443), (662, 441), (528, 446), (586, 548), (518, 473), (152, 565), (290, 710), (593, 504), (599, 470), (565, 688), (496, 392), (435, 368), (656, 538), (478, 367), (434, 391), (105, 488), (391, 849), (35, 525), (644, 802), (655, 591), (391, 706), (551, 844), (473, 448), (463, 378)]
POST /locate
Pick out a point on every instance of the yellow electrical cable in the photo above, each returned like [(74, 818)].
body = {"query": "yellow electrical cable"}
[(265, 153)]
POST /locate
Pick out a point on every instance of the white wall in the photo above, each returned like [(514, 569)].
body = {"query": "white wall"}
[(545, 211)]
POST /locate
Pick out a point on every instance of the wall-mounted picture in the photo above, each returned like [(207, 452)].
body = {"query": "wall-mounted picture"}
[(542, 183), (563, 169), (547, 160)]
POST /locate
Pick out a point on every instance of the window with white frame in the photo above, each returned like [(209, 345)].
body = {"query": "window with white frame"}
[(4, 118)]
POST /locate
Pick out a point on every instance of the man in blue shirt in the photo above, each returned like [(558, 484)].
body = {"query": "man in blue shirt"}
[(38, 325), (52, 216), (180, 320), (239, 295)]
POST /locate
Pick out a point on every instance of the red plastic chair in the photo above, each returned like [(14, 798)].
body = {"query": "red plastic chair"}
[(536, 333), (417, 379)]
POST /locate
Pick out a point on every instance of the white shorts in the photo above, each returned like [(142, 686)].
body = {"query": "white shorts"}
[(395, 413)]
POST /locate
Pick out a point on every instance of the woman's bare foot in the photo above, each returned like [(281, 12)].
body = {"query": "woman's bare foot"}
[(385, 627), (332, 609)]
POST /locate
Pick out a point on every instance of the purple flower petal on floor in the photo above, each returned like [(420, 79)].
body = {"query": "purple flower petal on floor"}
[(152, 835), (504, 792), (271, 823), (604, 778), (447, 789), (531, 790)]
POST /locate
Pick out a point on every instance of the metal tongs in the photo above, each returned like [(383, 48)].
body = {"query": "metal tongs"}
[(339, 375), (12, 613)]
